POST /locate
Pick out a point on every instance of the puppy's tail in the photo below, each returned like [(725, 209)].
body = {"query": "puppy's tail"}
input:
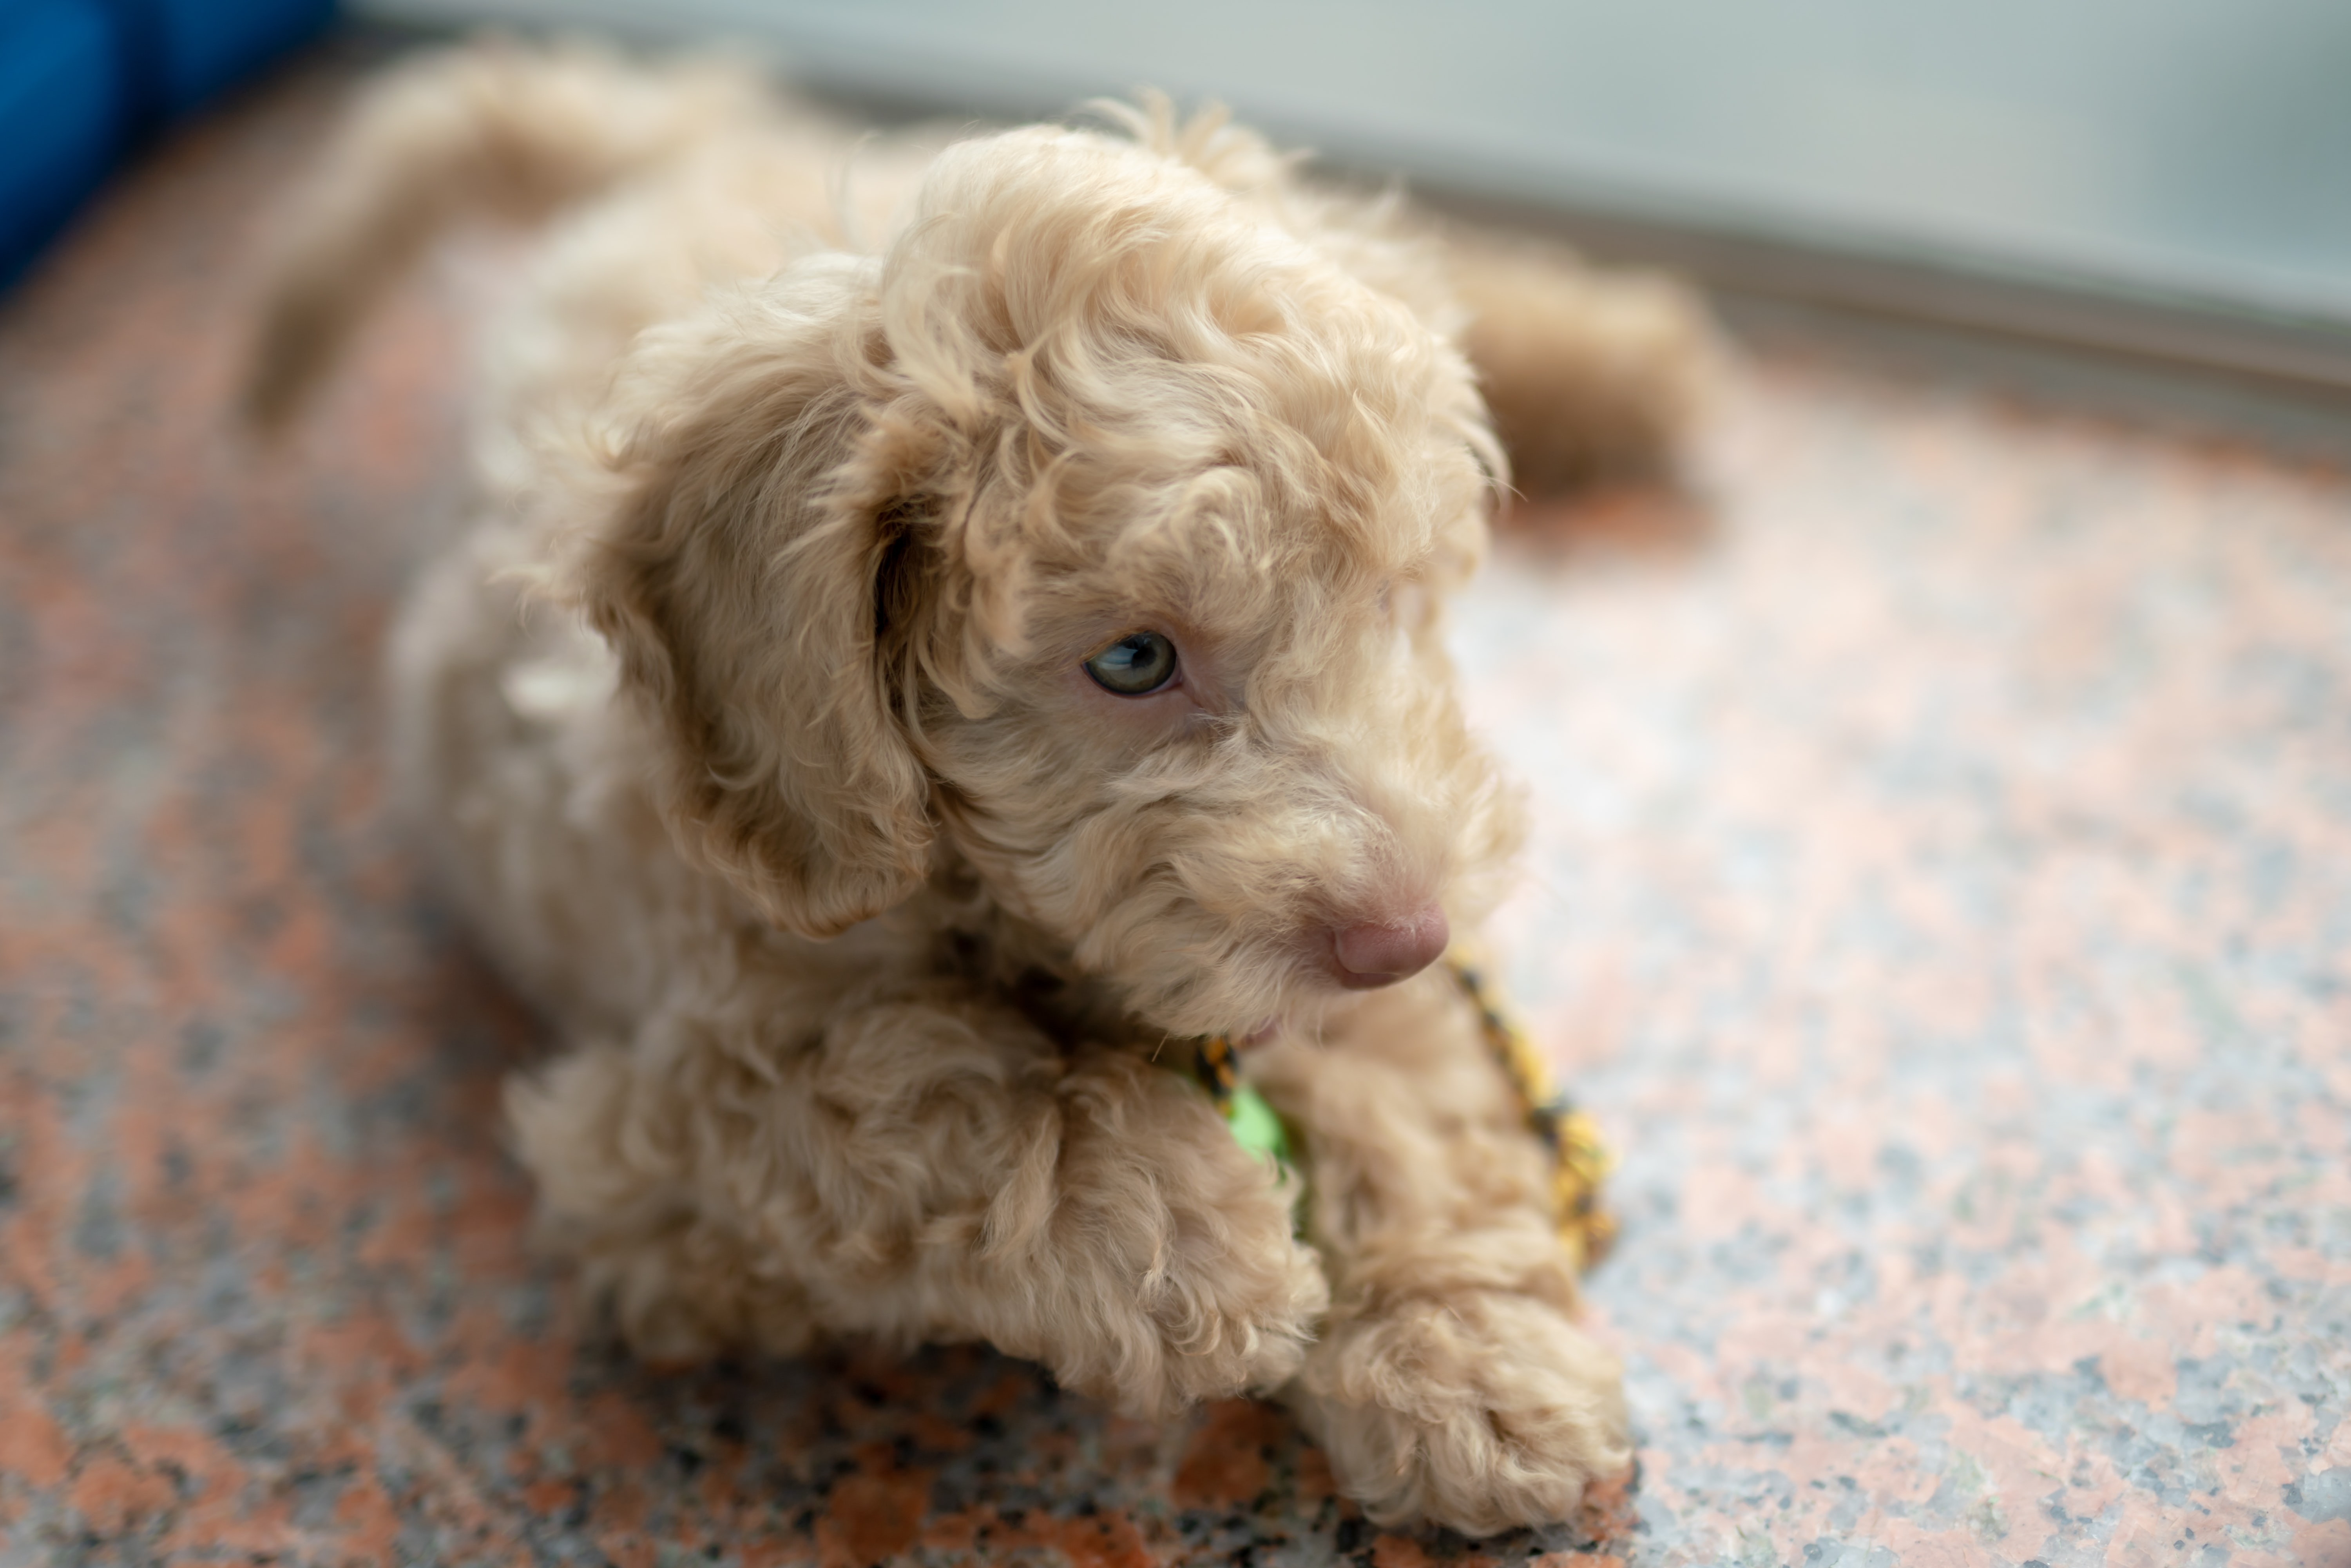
[(492, 129), (1589, 374)]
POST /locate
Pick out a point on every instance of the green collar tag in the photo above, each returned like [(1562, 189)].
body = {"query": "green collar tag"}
[(1256, 1126)]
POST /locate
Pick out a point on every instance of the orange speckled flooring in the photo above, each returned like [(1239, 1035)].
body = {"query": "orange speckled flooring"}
[(1942, 889)]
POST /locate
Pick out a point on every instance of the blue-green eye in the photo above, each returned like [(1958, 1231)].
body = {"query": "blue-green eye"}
[(1136, 665)]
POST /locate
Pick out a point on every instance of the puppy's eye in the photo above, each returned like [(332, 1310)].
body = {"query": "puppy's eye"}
[(1136, 665)]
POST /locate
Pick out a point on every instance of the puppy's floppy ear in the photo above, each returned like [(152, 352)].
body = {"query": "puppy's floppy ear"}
[(736, 574)]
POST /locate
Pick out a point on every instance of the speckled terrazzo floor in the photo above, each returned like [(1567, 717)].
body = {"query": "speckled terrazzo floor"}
[(1942, 890)]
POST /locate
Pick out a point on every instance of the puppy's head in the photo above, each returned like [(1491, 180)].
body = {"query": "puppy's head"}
[(1097, 533)]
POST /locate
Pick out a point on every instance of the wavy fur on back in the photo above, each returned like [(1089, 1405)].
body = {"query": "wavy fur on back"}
[(750, 724)]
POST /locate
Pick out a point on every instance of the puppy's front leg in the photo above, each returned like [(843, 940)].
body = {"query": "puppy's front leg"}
[(920, 1169), (1450, 1382)]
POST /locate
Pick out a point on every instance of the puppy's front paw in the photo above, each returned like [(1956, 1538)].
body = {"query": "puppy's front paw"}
[(1227, 1304), (1161, 1265), (1481, 1411), (1239, 1320)]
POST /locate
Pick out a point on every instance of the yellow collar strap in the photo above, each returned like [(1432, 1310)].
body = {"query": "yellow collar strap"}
[(1580, 1158)]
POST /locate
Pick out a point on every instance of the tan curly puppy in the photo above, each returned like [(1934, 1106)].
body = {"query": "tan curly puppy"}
[(987, 629)]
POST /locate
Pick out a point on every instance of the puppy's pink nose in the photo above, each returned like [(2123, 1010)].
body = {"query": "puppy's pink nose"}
[(1381, 955)]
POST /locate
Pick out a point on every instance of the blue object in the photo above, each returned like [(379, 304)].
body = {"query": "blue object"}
[(84, 81), (62, 117), (193, 50)]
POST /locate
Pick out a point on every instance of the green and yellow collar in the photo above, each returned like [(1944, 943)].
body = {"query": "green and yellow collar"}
[(1580, 1161)]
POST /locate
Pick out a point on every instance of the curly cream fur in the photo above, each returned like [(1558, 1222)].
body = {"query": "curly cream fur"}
[(750, 724)]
